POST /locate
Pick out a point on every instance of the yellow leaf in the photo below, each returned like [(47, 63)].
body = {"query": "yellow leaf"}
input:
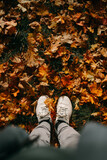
[(56, 79), (48, 53), (71, 8), (96, 114), (77, 107), (90, 29), (105, 114), (11, 116), (15, 93), (21, 125)]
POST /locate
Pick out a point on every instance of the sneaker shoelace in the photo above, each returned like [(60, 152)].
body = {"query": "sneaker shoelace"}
[(44, 111), (62, 112)]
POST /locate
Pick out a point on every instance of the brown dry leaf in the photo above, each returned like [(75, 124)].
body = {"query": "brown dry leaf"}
[(94, 89), (43, 70), (32, 59), (2, 22), (44, 83), (105, 79), (76, 16), (4, 96), (34, 25), (31, 39), (77, 107), (91, 29), (42, 11), (2, 12), (48, 53), (59, 40), (11, 116), (56, 20), (59, 2), (104, 52), (29, 89), (88, 75), (102, 29), (56, 79), (10, 24), (71, 8), (94, 46), (16, 59), (85, 98), (1, 48), (3, 67), (70, 85), (97, 80), (4, 85), (49, 102), (25, 1), (66, 80), (22, 8), (93, 65), (76, 104), (71, 1)]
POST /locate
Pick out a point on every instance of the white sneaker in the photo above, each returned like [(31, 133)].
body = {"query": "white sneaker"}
[(42, 110), (64, 109)]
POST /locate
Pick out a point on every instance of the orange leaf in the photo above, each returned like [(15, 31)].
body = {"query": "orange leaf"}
[(66, 80), (43, 70), (95, 89), (49, 103), (15, 93)]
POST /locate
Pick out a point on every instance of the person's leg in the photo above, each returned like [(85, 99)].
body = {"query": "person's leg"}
[(42, 131), (67, 136)]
